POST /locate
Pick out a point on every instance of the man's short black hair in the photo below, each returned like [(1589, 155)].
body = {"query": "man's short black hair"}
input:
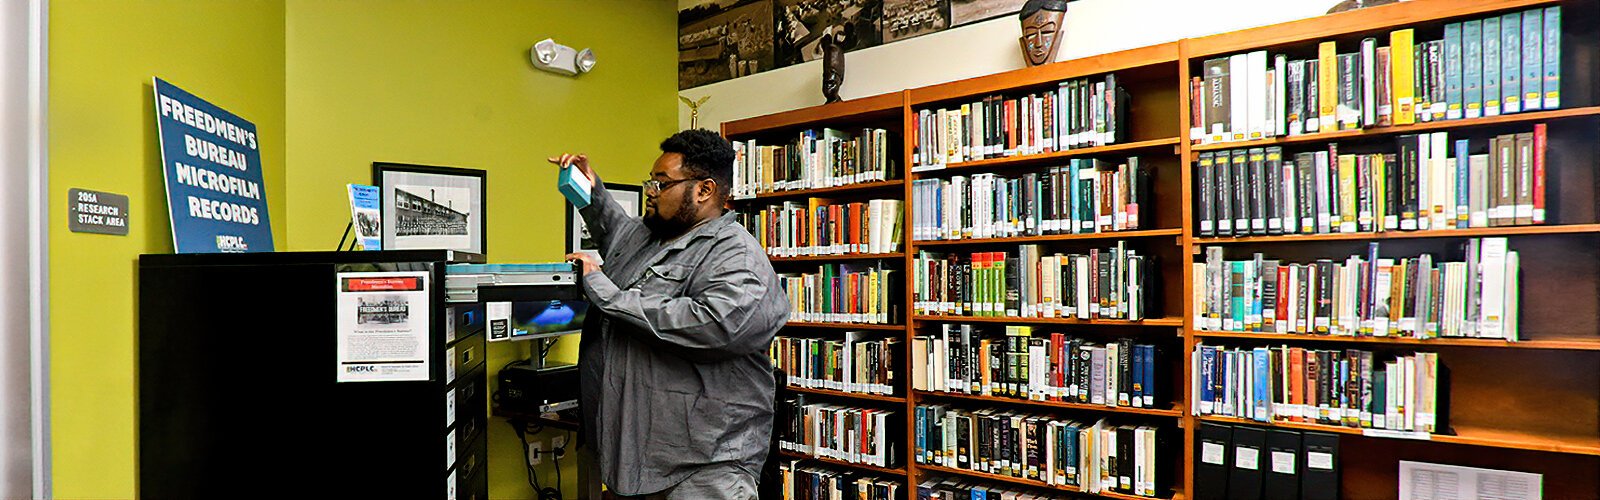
[(705, 155)]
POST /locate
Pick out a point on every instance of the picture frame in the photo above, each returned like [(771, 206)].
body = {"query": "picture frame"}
[(428, 207), (630, 196)]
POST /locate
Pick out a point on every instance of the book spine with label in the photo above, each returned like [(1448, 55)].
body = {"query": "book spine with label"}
[(1272, 188), (1238, 162), (1540, 143), (1472, 68), (1511, 63), (1525, 183), (1239, 71), (1490, 40), (1258, 99), (1295, 101), (1552, 57), (1328, 84), (1402, 56), (1368, 78), (1532, 59), (1217, 95), (1349, 105), (1256, 170), (1277, 124), (1453, 71)]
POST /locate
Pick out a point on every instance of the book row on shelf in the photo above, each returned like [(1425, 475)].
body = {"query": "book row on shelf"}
[(1077, 113), (804, 482), (1481, 67), (815, 159), (1240, 461), (819, 226), (847, 434), (1348, 388), (1366, 295), (844, 293), (1085, 196), (1257, 191), (960, 488), (855, 364), (1097, 457), (1012, 363), (1101, 284)]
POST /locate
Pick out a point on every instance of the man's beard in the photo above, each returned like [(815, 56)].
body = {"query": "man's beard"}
[(664, 228)]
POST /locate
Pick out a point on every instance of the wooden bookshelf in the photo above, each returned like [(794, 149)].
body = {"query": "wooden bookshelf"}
[(832, 258), (1034, 483), (1110, 235), (892, 471), (843, 394), (1157, 412), (1576, 344), (993, 164), (1479, 232), (864, 187), (1501, 413), (1529, 118), (1017, 320)]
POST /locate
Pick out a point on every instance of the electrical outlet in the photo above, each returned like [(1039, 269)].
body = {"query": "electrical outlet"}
[(534, 450), (558, 446)]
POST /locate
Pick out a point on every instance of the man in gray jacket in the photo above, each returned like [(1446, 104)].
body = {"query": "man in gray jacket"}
[(676, 385)]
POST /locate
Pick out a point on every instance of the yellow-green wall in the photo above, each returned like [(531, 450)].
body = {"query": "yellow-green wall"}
[(103, 137), (331, 87), (450, 83)]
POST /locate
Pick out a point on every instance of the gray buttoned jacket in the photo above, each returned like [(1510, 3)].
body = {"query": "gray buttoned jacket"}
[(674, 371)]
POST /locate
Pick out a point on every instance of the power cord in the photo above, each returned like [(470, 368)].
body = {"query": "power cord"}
[(544, 493)]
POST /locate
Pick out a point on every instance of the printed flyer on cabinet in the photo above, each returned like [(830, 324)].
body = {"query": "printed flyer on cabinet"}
[(383, 326)]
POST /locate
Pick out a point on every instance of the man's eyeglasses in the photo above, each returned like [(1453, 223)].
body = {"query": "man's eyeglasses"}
[(653, 187)]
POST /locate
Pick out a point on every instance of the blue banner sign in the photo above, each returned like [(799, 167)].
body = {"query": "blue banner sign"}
[(212, 164)]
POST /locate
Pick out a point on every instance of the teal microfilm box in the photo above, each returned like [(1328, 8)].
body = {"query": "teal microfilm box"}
[(574, 185)]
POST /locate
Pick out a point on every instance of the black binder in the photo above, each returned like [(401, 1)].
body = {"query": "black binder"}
[(1281, 464), (1211, 462), (1125, 460), (1319, 469), (1249, 459)]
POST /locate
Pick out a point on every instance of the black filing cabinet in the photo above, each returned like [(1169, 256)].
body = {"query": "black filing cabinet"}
[(238, 396)]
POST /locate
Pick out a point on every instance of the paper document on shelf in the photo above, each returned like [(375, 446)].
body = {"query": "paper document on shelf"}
[(383, 320), (1428, 481)]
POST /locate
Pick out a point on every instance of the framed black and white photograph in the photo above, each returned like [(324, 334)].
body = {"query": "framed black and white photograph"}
[(904, 19), (722, 39), (801, 24), (432, 208), (964, 12), (630, 196)]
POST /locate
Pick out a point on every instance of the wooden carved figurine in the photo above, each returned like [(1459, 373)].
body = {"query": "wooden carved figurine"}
[(1041, 24), (833, 43)]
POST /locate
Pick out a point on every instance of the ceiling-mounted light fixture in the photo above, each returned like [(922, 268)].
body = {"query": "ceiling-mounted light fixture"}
[(557, 58)]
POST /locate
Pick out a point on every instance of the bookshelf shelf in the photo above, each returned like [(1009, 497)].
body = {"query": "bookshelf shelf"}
[(1113, 235), (1388, 235), (842, 394), (1564, 344), (1165, 54), (1528, 117), (848, 256), (844, 326), (897, 471), (888, 185), (1357, 22), (886, 105), (1464, 435), (1051, 321), (1030, 482), (1169, 413), (1021, 160)]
